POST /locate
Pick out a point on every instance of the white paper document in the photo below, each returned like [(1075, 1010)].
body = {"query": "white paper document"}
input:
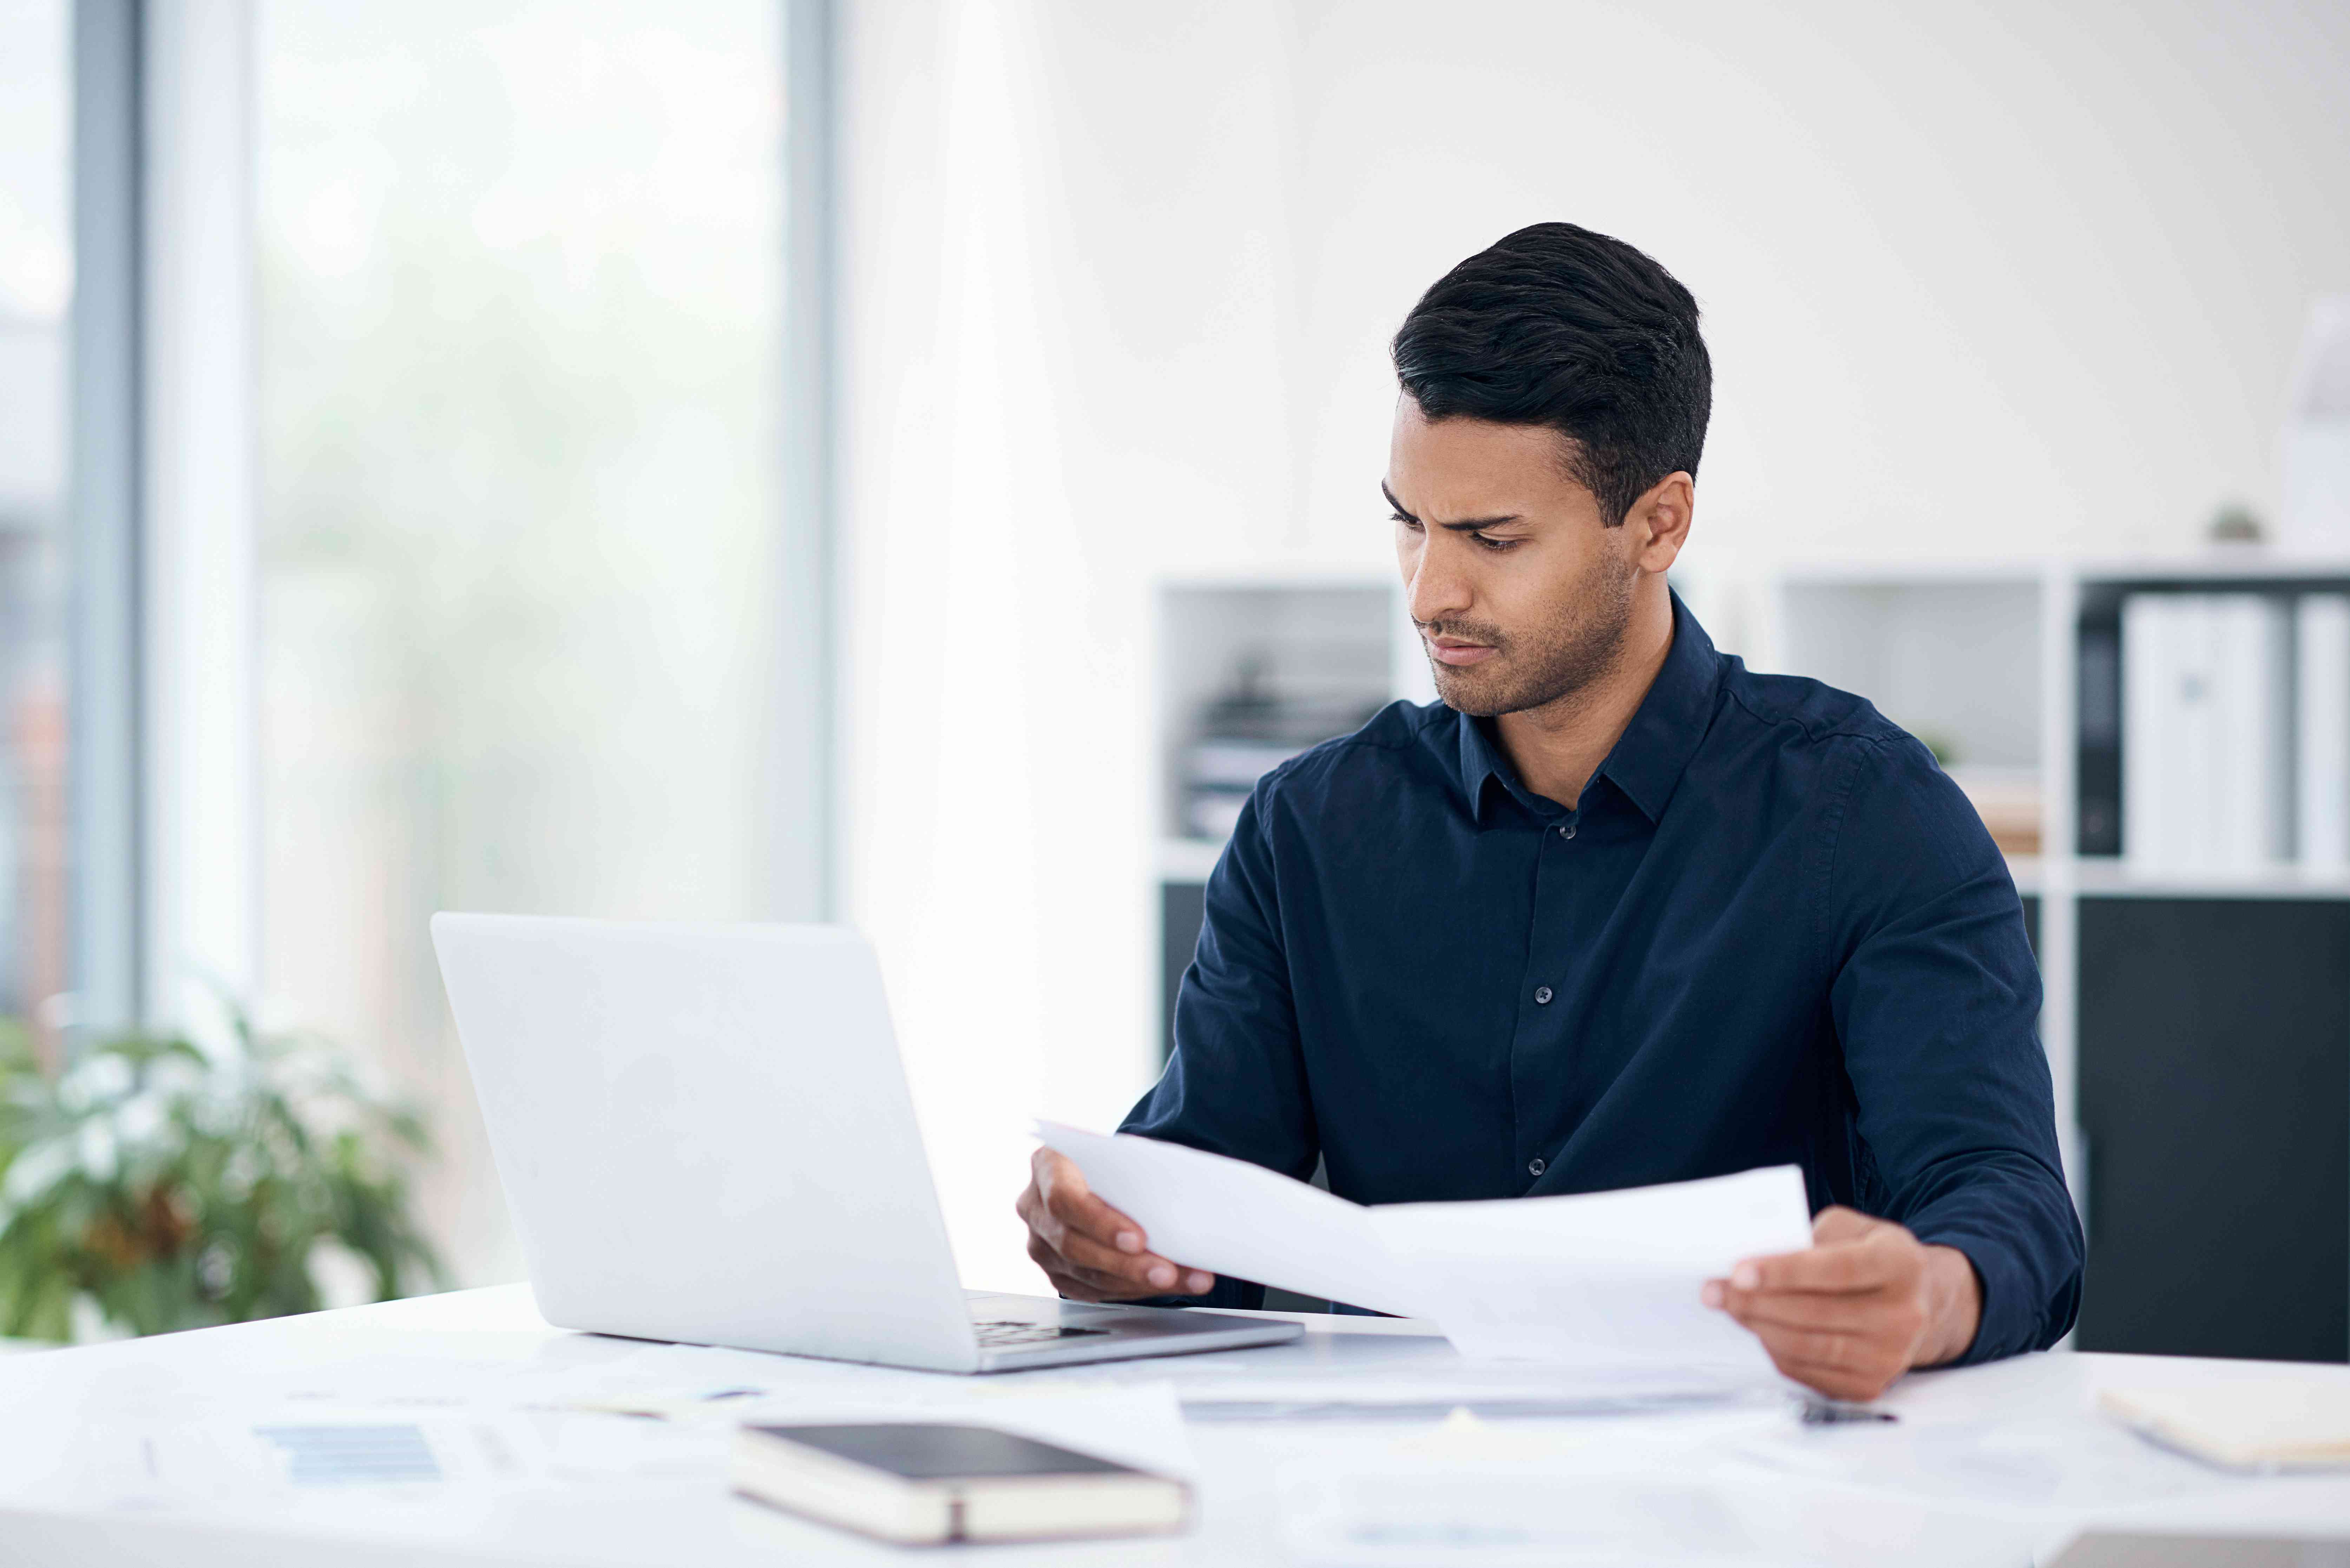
[(1605, 1277)]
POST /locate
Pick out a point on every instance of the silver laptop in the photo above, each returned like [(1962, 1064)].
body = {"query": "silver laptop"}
[(706, 1134)]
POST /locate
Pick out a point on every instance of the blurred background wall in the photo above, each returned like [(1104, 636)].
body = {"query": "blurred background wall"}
[(1983, 282)]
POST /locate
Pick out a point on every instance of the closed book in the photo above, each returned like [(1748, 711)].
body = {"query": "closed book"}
[(2190, 842), (2150, 717), (2321, 760), (927, 1483)]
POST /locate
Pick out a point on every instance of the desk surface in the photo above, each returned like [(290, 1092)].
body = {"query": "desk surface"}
[(1987, 1465)]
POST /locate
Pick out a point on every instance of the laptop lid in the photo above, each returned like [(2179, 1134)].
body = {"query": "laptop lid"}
[(705, 1134)]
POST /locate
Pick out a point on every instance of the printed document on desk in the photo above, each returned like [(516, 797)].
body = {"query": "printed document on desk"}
[(1606, 1278)]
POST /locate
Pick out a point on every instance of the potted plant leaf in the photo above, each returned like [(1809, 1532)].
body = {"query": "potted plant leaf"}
[(152, 1185)]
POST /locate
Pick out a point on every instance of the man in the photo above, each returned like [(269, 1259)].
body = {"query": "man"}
[(1616, 910)]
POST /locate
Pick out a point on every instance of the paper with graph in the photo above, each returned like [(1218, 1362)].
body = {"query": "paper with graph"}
[(1605, 1277)]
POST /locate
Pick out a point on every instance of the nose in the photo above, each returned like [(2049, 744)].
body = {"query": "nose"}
[(1434, 585)]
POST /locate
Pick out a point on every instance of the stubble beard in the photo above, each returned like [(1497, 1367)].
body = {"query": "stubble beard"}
[(1550, 665)]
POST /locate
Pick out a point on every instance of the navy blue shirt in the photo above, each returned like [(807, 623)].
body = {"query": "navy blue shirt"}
[(1772, 932)]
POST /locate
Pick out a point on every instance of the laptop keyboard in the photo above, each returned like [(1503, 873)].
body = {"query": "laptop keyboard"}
[(1003, 1334)]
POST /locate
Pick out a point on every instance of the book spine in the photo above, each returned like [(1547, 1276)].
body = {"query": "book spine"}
[(2277, 738), (2321, 699), (2245, 808), (2148, 748), (2196, 839)]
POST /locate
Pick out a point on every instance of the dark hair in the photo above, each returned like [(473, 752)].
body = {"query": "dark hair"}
[(1557, 326)]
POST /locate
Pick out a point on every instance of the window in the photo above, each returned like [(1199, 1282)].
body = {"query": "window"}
[(36, 297), (521, 284)]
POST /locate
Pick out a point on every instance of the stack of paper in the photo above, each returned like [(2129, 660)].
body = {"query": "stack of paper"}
[(1609, 1277)]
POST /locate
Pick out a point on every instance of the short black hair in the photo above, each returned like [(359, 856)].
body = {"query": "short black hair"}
[(1557, 326)]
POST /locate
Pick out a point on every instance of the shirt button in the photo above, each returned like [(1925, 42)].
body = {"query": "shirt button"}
[(1536, 1166), (1541, 994), (1566, 830)]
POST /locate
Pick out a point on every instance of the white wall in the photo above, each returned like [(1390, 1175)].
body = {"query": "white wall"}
[(1979, 280)]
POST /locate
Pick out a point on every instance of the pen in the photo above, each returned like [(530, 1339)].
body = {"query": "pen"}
[(1835, 1413)]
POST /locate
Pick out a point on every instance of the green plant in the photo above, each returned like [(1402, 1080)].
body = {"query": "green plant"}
[(171, 1188)]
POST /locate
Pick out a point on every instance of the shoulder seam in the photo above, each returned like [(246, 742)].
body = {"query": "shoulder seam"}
[(1337, 743), (1820, 732)]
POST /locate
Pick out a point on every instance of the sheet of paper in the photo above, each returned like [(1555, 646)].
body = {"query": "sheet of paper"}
[(1233, 1217), (1604, 1278)]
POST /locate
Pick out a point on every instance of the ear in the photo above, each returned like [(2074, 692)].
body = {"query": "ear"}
[(1659, 521)]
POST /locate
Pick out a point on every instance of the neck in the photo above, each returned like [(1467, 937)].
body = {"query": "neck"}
[(1558, 746)]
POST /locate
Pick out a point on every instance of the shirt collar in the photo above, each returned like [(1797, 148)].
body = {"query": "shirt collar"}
[(1656, 746)]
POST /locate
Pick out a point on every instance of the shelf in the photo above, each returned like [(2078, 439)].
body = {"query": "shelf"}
[(2095, 876), (2105, 877), (2248, 564), (1187, 859), (1850, 574)]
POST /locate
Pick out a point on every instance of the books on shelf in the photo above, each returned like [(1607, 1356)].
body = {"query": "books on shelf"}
[(2321, 729), (2207, 732)]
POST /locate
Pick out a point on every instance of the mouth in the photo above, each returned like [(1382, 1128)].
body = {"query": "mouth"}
[(1453, 650)]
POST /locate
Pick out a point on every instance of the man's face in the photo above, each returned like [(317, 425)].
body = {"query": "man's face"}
[(1522, 594)]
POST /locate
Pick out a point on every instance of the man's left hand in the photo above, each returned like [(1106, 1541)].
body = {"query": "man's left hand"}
[(1865, 1304)]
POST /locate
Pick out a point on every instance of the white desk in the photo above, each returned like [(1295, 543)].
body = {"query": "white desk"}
[(1975, 1471)]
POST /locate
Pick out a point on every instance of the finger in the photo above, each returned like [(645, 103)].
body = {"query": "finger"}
[(1063, 1279), (1085, 1284), (1856, 1383), (1161, 1278), (1837, 1352), (1070, 1285), (1111, 1287), (1853, 1388), (1840, 1366), (1155, 1272), (1866, 1314), (1145, 1275), (1840, 1267)]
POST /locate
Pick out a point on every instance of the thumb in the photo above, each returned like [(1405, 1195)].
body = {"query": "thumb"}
[(1057, 1172)]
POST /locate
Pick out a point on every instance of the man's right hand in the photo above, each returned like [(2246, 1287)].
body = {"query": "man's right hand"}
[(1089, 1250)]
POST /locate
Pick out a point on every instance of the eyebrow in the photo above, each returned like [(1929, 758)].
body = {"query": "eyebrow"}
[(1469, 525)]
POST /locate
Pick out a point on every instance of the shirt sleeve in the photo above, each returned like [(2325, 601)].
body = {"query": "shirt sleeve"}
[(1235, 1080), (1936, 1000)]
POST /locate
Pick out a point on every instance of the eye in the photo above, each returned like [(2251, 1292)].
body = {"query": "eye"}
[(1496, 546), (1404, 521)]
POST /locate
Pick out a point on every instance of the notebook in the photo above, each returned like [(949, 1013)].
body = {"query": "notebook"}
[(2258, 1423), (922, 1483)]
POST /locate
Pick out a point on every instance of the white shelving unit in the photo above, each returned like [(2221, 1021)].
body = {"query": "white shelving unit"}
[(1338, 643), (1988, 661)]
